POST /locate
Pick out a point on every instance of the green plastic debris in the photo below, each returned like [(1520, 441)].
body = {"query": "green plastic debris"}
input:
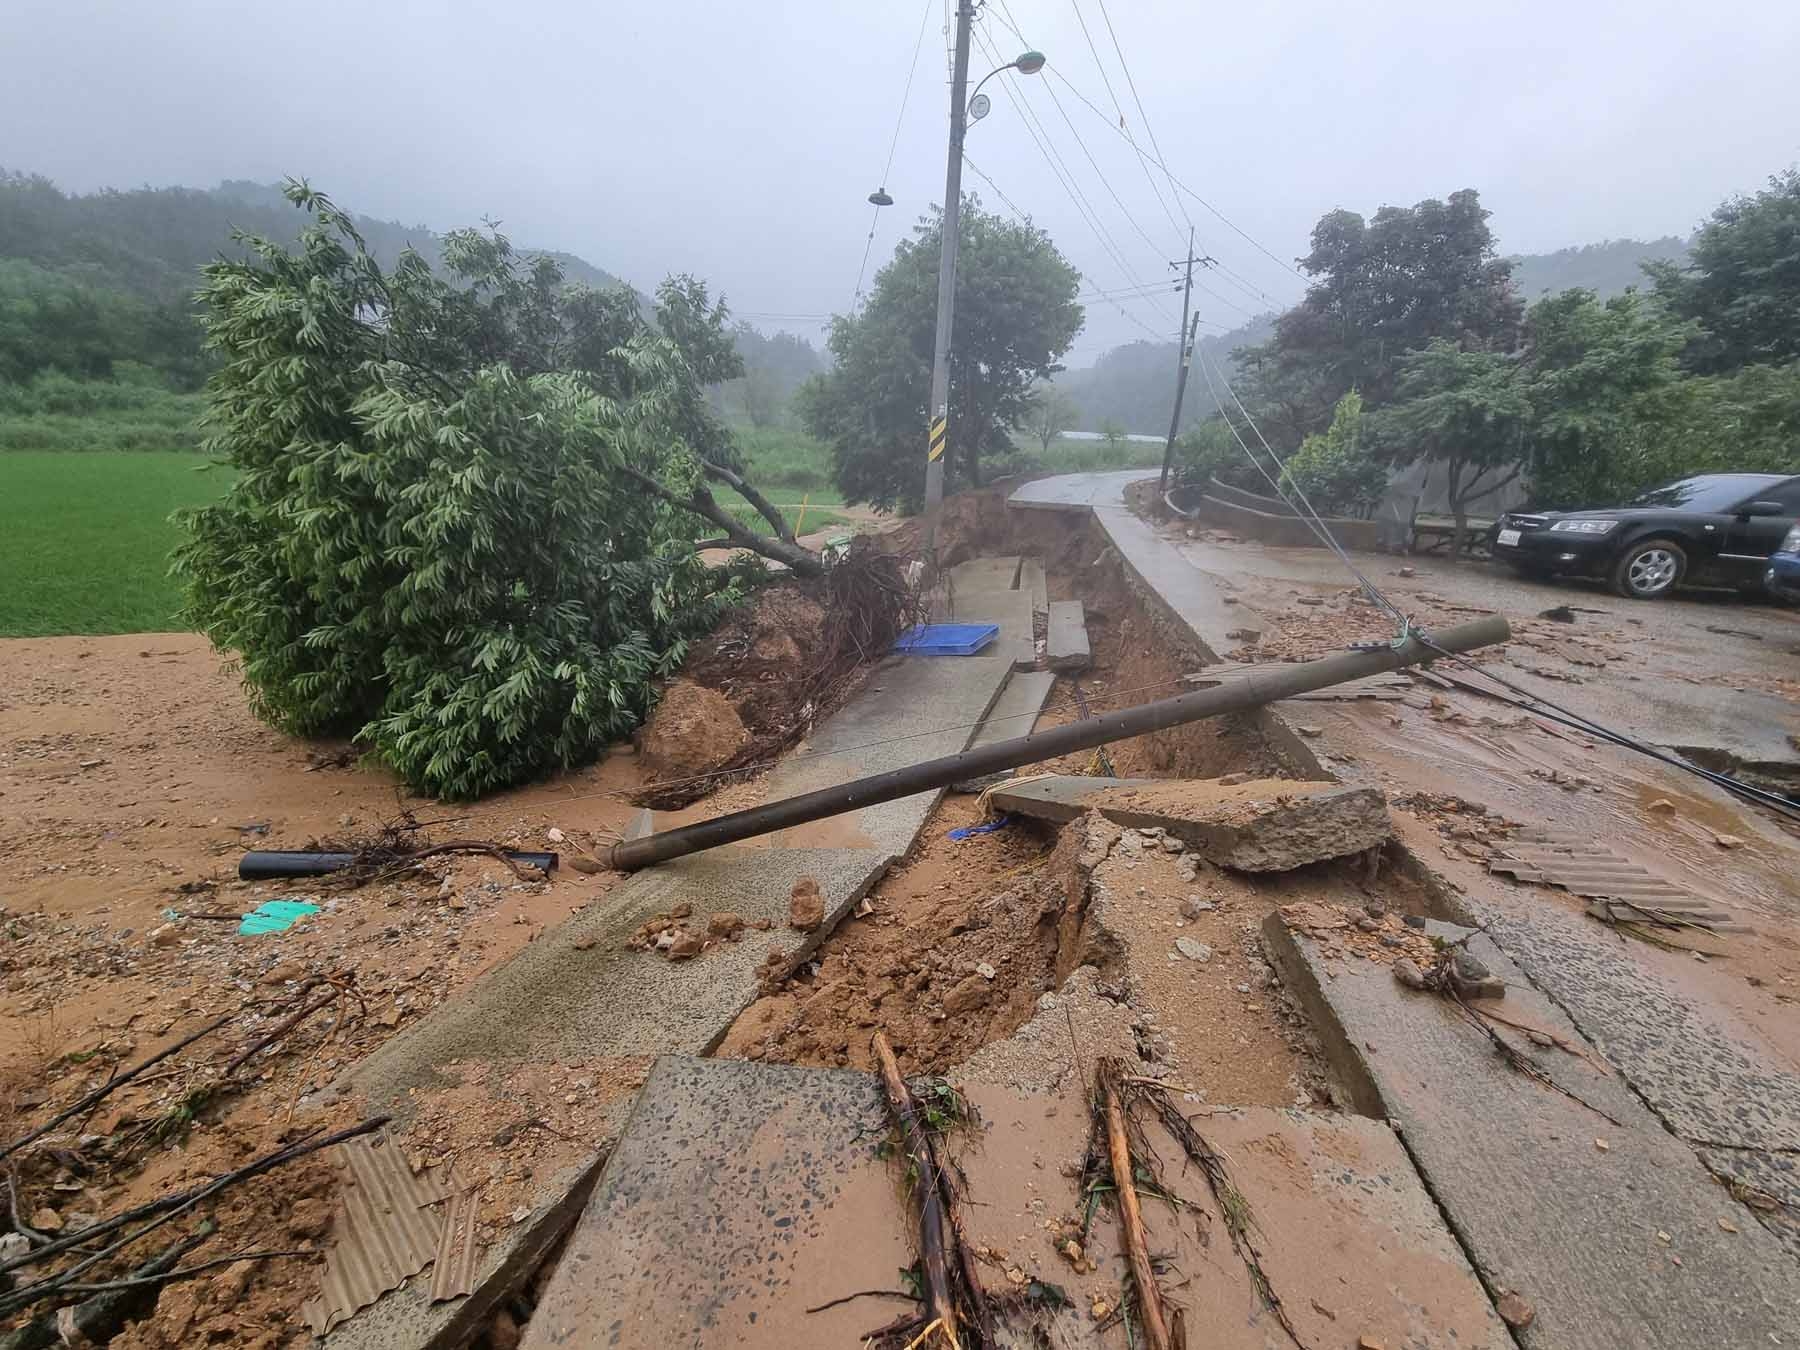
[(275, 916)]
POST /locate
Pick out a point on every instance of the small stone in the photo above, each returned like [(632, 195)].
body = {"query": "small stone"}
[(1193, 907), (1192, 950), (282, 972), (1700, 957), (554, 835), (1727, 1226), (806, 908), (1367, 1342), (1101, 1309), (727, 924), (1728, 841), (583, 944), (1663, 1237), (1662, 806), (983, 969), (1243, 988), (1368, 925), (1407, 971), (1516, 1311), (1309, 600), (966, 995), (308, 1217), (165, 936), (686, 946), (1310, 731), (1602, 1145), (46, 1220), (1170, 844), (1407, 572), (686, 911), (584, 864)]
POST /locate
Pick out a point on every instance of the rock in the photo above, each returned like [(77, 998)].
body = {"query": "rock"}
[(584, 864), (806, 908), (966, 995), (1233, 779), (503, 1332), (46, 1220), (728, 924), (1308, 600), (166, 935), (1367, 924), (1515, 1311), (1310, 731), (686, 946), (1245, 634), (308, 1217), (1662, 805), (983, 969), (682, 911), (282, 972), (1192, 950), (1407, 971), (694, 730), (1193, 907), (1367, 1342), (13, 1245), (555, 835), (1170, 844), (231, 1283), (1407, 572), (1728, 841)]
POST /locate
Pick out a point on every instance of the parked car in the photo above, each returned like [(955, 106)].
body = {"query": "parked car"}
[(1783, 577), (1716, 529)]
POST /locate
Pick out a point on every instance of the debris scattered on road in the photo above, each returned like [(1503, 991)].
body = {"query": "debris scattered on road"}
[(806, 907)]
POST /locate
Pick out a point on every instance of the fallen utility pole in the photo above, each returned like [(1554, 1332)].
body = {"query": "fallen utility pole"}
[(1253, 691)]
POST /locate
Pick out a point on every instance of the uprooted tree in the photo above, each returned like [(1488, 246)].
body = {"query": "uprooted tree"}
[(464, 522)]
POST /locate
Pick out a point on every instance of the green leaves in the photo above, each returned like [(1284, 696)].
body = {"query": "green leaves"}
[(428, 545)]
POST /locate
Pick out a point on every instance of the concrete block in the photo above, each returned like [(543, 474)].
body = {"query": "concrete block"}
[(1035, 584), (1610, 1230), (1067, 646), (739, 1196), (1015, 712), (1270, 825)]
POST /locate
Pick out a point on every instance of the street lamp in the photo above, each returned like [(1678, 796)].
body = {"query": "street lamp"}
[(1029, 63)]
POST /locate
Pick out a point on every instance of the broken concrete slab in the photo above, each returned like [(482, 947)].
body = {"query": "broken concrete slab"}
[(742, 1194), (1610, 1230), (1015, 712), (1266, 825), (1067, 645), (739, 1196), (1035, 584), (578, 991)]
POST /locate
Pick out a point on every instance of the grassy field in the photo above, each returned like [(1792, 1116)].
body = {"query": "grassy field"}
[(85, 538), (134, 412)]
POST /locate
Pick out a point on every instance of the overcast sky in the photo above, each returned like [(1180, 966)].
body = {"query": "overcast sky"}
[(739, 140)]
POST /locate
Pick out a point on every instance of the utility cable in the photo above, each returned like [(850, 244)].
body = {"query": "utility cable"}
[(912, 69), (1101, 65)]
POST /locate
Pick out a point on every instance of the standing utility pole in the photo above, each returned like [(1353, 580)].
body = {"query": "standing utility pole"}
[(938, 412), (1184, 337)]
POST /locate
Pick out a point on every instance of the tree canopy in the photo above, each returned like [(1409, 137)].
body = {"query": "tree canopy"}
[(463, 523), (1015, 317), (1742, 282)]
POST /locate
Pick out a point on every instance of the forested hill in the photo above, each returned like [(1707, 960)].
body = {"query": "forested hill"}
[(1606, 268), (1133, 386), (151, 242)]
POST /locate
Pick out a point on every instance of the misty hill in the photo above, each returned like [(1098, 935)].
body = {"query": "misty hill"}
[(151, 242), (1607, 268), (1133, 386)]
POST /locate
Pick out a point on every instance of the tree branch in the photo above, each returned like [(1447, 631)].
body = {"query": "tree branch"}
[(802, 561), (749, 493)]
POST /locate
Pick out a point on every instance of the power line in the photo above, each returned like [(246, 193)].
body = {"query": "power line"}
[(1095, 53), (912, 69), (999, 191), (1067, 182), (1161, 164)]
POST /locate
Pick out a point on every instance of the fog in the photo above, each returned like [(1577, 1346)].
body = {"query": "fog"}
[(739, 141)]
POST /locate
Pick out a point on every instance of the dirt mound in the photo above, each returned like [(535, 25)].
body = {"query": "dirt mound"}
[(776, 665), (695, 730)]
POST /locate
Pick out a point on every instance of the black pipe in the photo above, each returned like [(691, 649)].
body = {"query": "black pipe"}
[(1253, 691), (268, 864)]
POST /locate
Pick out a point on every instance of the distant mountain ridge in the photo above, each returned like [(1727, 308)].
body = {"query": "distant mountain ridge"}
[(151, 242), (1133, 385)]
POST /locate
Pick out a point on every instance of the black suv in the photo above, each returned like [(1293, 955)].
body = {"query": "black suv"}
[(1717, 529)]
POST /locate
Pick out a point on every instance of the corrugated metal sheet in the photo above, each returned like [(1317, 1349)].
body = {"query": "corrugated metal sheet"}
[(453, 1273), (386, 1231), (1582, 867)]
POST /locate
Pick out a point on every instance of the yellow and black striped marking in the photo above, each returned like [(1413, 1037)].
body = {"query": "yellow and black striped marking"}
[(940, 428)]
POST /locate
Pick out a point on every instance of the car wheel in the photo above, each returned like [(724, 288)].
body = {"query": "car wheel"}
[(1649, 570)]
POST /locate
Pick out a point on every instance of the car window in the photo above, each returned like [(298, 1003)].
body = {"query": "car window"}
[(1708, 492), (1788, 494)]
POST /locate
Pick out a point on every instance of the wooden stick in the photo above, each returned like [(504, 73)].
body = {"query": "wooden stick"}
[(1131, 1223), (110, 1085), (928, 1198)]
